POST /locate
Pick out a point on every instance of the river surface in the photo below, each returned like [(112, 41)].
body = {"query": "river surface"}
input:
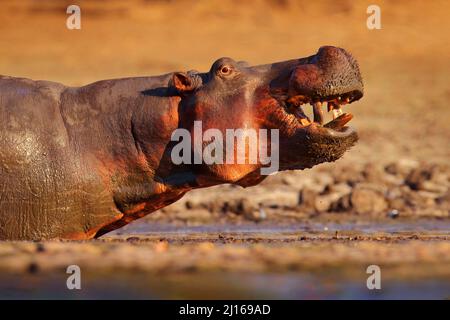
[(338, 283)]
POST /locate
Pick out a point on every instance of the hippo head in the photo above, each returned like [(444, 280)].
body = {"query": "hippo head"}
[(233, 95)]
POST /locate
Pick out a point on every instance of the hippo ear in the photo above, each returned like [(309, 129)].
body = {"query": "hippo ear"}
[(186, 82)]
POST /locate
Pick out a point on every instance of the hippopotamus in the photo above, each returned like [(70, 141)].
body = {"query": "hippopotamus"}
[(78, 162)]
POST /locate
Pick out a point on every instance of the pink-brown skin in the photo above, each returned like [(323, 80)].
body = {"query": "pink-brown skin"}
[(108, 145)]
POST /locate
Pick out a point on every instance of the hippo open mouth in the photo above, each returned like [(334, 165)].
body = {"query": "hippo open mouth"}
[(333, 104), (327, 80), (330, 79)]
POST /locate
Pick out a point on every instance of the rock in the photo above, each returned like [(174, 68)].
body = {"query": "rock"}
[(393, 180), (444, 199), (324, 203), (378, 187), (277, 197), (349, 175), (428, 195), (419, 199), (367, 201), (307, 198), (391, 168), (321, 180), (340, 189), (393, 193), (217, 205), (189, 204), (298, 182), (262, 214), (373, 173), (342, 204), (245, 207), (256, 215), (416, 178), (439, 172), (433, 187), (398, 204), (394, 214), (401, 167)]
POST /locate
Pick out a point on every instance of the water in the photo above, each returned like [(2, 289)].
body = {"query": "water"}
[(429, 226), (342, 282), (216, 286)]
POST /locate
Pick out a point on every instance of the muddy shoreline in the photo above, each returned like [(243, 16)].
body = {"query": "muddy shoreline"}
[(167, 248)]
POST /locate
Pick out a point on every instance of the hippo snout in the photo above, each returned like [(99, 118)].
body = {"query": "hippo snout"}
[(330, 73)]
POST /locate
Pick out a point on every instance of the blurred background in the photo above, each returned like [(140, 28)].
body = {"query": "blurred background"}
[(395, 181)]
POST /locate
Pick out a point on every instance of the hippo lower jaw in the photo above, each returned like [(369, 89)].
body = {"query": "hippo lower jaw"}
[(318, 144)]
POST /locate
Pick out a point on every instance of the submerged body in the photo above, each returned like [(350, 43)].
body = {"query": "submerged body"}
[(76, 163)]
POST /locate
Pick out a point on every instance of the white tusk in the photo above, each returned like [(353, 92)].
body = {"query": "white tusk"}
[(337, 112)]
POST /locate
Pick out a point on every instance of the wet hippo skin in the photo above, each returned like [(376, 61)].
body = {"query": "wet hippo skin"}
[(76, 163)]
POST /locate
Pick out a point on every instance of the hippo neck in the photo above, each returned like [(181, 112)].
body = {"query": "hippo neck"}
[(132, 121)]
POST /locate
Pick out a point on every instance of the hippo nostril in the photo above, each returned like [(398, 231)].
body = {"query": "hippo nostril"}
[(340, 72)]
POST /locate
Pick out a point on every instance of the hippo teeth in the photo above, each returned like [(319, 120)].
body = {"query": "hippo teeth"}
[(318, 113), (337, 112), (334, 104)]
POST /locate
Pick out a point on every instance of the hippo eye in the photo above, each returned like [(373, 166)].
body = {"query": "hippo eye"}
[(225, 70)]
